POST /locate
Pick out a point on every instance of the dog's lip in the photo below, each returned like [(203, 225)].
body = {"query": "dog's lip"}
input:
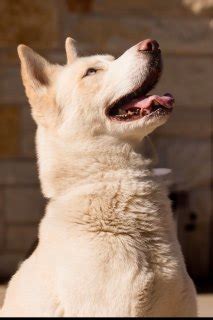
[(142, 106), (140, 91)]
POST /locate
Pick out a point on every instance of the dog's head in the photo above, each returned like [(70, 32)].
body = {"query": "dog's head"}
[(97, 95)]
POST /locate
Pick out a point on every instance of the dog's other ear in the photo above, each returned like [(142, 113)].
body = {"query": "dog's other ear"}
[(71, 51), (38, 76)]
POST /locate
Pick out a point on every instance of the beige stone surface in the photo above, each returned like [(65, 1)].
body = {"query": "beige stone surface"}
[(174, 8), (23, 205), (10, 131), (200, 205), (17, 131), (188, 122), (113, 34), (200, 6), (8, 56), (16, 173), (2, 234), (11, 88), (2, 292), (205, 305), (194, 231), (30, 22), (82, 6), (189, 159), (9, 263), (188, 79), (21, 237), (28, 127)]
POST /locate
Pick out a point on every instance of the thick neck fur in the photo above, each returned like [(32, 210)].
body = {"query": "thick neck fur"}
[(64, 165), (112, 191)]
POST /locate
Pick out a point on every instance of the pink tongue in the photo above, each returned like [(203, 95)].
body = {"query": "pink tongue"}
[(146, 102)]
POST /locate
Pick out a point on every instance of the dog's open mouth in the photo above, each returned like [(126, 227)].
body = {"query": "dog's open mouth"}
[(135, 106)]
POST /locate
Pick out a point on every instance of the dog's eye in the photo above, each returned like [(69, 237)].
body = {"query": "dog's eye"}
[(90, 72)]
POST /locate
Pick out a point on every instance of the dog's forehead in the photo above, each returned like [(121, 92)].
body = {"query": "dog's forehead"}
[(71, 72), (92, 61), (83, 63)]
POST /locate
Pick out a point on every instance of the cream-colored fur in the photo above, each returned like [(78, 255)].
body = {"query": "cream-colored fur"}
[(107, 243)]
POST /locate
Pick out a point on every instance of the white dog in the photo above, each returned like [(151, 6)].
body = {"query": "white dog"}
[(107, 243)]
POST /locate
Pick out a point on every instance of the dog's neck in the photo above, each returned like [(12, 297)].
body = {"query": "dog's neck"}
[(96, 165), (63, 165)]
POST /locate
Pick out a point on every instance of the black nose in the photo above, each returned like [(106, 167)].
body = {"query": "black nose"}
[(148, 45)]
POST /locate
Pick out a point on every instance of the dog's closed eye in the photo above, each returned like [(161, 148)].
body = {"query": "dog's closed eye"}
[(90, 72)]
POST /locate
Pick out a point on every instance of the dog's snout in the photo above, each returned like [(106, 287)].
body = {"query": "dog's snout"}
[(148, 45)]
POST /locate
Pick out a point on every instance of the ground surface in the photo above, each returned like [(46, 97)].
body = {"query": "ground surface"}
[(205, 303)]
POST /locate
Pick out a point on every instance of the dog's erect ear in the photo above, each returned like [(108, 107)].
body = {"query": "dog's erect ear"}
[(35, 70), (38, 76), (70, 50)]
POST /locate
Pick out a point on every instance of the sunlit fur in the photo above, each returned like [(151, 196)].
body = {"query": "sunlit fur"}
[(107, 242)]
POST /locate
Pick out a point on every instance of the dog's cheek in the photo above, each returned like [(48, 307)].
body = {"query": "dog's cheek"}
[(45, 110)]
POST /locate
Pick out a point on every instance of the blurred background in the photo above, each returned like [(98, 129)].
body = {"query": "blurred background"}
[(184, 29)]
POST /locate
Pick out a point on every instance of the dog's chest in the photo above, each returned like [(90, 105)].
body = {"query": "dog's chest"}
[(116, 254), (110, 278)]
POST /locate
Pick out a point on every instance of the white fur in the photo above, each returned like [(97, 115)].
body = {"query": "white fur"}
[(107, 243)]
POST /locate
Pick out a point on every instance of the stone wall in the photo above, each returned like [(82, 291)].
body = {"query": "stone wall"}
[(184, 29)]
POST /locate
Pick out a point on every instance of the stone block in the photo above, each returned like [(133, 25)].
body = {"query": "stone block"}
[(28, 131), (2, 294), (189, 159), (9, 263), (196, 231), (2, 234), (188, 122), (200, 7), (189, 80), (82, 6), (23, 204), (8, 56), (10, 131), (201, 202), (174, 8), (30, 22), (12, 90), (18, 172), (109, 34), (57, 56), (20, 238), (2, 222)]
